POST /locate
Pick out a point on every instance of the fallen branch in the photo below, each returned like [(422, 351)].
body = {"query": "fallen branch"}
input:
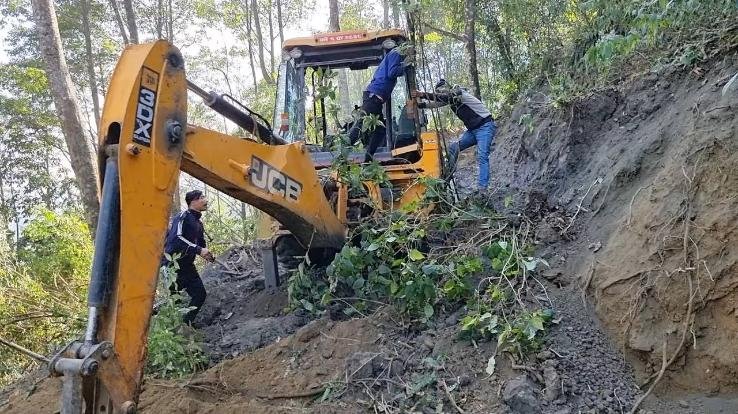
[(24, 351), (526, 368)]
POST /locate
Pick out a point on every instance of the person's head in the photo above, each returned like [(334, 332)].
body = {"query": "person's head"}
[(196, 200), (442, 86)]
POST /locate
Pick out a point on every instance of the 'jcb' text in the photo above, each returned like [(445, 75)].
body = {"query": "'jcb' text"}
[(271, 180), (144, 117)]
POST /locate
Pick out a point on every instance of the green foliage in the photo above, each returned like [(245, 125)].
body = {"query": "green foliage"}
[(173, 351), (524, 333), (56, 246), (458, 285), (393, 269), (42, 295), (502, 256), (308, 289), (228, 223), (29, 163)]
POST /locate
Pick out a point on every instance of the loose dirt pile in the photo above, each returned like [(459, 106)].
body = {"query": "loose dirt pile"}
[(239, 316)]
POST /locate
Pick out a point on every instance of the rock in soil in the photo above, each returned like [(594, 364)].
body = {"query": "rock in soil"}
[(520, 395)]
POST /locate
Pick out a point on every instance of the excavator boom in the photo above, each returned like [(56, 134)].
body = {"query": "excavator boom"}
[(144, 141)]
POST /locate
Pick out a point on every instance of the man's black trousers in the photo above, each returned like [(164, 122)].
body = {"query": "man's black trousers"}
[(189, 280), (370, 105)]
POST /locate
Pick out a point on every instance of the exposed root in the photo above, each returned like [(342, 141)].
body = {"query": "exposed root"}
[(630, 207), (579, 206), (587, 282), (304, 394), (451, 397)]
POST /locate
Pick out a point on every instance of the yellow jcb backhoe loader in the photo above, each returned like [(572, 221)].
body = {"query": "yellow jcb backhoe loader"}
[(145, 141)]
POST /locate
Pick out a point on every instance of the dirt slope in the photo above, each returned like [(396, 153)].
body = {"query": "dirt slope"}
[(642, 177)]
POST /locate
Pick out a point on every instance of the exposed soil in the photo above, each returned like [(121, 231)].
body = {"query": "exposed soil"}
[(634, 194), (634, 174), (239, 316)]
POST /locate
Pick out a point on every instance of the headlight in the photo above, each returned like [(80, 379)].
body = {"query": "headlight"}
[(389, 44), (296, 53)]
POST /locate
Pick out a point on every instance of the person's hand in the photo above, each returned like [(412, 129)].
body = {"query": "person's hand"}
[(205, 254)]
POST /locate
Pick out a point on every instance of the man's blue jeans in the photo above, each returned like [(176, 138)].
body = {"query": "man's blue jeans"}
[(483, 137)]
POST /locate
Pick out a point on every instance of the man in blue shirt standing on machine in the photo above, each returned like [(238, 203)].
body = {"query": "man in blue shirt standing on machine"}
[(376, 94)]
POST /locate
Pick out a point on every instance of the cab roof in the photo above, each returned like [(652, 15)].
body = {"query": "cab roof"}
[(350, 37)]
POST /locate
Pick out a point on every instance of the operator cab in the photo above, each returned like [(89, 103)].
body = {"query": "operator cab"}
[(311, 107)]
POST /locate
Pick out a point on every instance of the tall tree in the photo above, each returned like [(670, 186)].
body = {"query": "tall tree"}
[(470, 11), (249, 33), (90, 62), (333, 24), (395, 13), (67, 106), (468, 38), (280, 23), (131, 20), (343, 89), (260, 41), (271, 37), (385, 14), (119, 21)]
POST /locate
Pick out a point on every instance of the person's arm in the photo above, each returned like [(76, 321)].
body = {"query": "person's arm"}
[(442, 98), (187, 236), (396, 66), (431, 105)]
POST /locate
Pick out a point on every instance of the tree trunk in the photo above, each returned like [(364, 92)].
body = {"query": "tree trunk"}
[(170, 21), (333, 24), (343, 89), (280, 24), (4, 233), (92, 79), (251, 49), (471, 46), (65, 101), (385, 14), (503, 46), (260, 41), (271, 38), (159, 26), (119, 20), (131, 20), (395, 14), (333, 21)]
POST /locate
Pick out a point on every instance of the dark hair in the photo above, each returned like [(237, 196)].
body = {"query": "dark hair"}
[(192, 196), (441, 82)]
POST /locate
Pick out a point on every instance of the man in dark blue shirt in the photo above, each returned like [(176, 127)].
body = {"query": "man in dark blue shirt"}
[(185, 240), (376, 94)]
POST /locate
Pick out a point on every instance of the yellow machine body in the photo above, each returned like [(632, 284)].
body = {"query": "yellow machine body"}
[(144, 134)]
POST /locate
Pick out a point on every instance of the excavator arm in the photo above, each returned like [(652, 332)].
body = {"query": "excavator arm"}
[(144, 141)]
